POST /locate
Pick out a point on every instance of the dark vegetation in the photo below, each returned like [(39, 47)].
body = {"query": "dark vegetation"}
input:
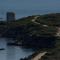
[(50, 19), (53, 54), (30, 34)]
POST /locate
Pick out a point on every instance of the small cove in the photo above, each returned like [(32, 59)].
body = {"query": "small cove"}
[(13, 52)]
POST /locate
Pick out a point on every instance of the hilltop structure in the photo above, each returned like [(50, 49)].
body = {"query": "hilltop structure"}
[(10, 16)]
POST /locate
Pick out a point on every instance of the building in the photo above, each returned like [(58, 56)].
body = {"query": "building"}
[(10, 16)]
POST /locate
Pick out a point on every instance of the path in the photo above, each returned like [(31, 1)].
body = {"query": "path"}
[(34, 21), (39, 56), (58, 32)]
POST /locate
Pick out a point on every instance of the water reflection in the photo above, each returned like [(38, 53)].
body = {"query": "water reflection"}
[(3, 53), (12, 52), (15, 53)]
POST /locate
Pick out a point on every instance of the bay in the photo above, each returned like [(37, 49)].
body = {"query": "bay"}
[(13, 52)]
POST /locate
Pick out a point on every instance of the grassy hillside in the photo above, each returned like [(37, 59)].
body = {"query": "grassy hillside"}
[(50, 19), (32, 28)]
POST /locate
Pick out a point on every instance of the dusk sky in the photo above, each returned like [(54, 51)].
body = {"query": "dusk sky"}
[(30, 4), (29, 7)]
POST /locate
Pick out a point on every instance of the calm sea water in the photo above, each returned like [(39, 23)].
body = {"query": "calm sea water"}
[(24, 8), (13, 52)]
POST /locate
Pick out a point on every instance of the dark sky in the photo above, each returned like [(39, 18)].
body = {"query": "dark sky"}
[(30, 4), (29, 7)]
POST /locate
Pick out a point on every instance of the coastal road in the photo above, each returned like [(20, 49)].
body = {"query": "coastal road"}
[(34, 21), (58, 32), (39, 56), (58, 28)]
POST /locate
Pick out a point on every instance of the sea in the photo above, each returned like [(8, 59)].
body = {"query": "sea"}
[(23, 8), (13, 52)]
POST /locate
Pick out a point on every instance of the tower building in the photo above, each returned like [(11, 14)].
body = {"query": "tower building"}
[(10, 16)]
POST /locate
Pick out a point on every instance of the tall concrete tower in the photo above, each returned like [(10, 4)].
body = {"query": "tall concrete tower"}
[(10, 16)]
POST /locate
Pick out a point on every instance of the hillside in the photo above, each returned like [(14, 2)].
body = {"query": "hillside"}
[(32, 28), (52, 19), (35, 29)]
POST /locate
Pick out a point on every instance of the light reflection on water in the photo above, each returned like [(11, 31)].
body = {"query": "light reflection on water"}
[(12, 52)]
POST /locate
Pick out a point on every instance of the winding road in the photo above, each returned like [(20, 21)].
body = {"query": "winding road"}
[(34, 21), (58, 28), (58, 32), (39, 56)]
